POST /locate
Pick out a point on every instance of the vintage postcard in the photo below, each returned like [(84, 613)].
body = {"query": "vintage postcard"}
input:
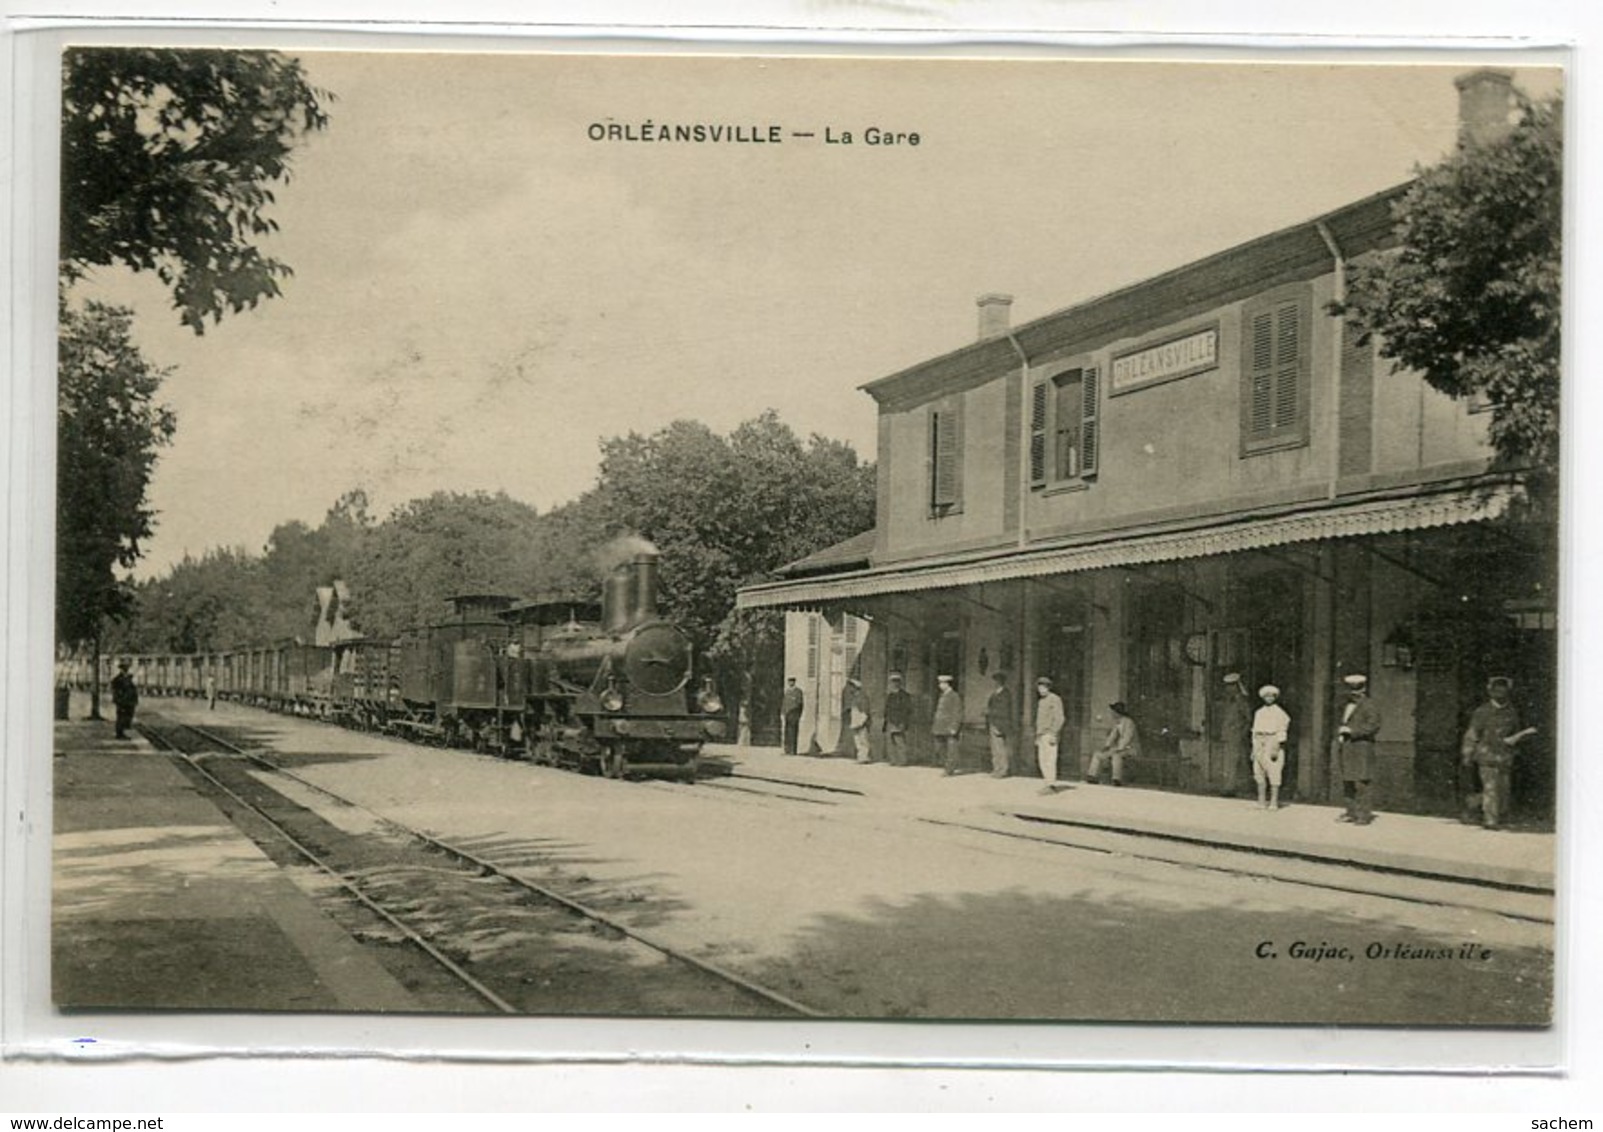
[(808, 537)]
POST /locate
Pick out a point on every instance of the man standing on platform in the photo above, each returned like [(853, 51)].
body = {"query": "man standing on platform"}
[(790, 710), (1049, 719), (948, 724), (1235, 732), (1001, 724), (125, 696), (1360, 722), (898, 716), (1270, 727), (1489, 745), (857, 719)]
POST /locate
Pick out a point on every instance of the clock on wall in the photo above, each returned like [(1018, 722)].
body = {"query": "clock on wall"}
[(1197, 648)]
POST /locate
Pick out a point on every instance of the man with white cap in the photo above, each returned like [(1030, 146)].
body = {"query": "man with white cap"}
[(1270, 726), (1049, 719), (1235, 731), (948, 724), (1360, 722)]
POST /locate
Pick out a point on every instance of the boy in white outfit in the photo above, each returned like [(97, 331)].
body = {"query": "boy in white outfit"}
[(1270, 725)]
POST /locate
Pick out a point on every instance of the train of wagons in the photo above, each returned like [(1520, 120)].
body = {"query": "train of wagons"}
[(604, 687)]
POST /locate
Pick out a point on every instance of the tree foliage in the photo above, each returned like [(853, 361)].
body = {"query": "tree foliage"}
[(1471, 295), (166, 161), (433, 548), (108, 430), (726, 512)]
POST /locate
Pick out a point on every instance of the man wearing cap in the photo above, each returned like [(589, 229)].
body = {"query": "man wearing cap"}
[(1122, 740), (948, 724), (1048, 727), (1489, 746), (1001, 724), (790, 710), (1235, 731), (125, 696), (898, 714), (1360, 722), (857, 719), (1270, 726)]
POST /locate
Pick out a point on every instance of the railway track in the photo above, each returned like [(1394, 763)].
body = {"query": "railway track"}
[(511, 944)]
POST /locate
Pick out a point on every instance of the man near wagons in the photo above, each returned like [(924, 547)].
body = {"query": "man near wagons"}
[(125, 697), (1355, 739), (947, 725), (1489, 745), (1235, 731), (1270, 726)]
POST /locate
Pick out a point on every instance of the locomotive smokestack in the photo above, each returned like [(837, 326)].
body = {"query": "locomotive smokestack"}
[(643, 603), (616, 592), (629, 587)]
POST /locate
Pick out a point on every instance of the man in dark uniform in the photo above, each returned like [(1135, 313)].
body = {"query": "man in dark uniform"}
[(1001, 724), (1235, 733), (1360, 722), (790, 707), (126, 697), (898, 716), (1489, 746)]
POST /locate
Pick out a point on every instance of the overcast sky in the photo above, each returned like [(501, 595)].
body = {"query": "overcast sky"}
[(482, 292)]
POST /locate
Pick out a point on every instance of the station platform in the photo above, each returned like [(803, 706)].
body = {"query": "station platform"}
[(159, 900), (1429, 847)]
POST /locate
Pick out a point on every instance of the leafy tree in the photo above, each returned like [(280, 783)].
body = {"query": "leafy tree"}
[(430, 549), (166, 159), (1470, 296), (108, 430)]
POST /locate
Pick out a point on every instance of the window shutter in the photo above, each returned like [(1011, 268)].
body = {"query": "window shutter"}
[(1287, 341), (1090, 441), (946, 442), (1038, 434), (1274, 409), (812, 646)]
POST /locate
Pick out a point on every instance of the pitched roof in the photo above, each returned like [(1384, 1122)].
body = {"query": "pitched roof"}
[(852, 553)]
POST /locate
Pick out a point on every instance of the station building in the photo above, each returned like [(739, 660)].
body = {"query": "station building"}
[(1202, 473)]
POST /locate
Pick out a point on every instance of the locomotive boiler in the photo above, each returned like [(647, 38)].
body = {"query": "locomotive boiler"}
[(613, 688)]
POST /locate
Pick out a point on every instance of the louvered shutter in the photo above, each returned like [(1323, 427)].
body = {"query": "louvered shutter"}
[(1274, 408), (946, 472), (1287, 359), (1262, 408), (1038, 434), (1090, 440)]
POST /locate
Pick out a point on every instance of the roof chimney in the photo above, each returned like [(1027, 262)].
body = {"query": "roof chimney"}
[(1485, 105), (994, 315)]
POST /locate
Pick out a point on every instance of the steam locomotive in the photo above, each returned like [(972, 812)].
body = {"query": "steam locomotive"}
[(606, 687)]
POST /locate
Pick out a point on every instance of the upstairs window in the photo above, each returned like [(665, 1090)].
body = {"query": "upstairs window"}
[(1275, 373), (945, 459), (1064, 431)]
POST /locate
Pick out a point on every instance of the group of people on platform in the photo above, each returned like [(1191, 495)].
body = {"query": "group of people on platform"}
[(1251, 737)]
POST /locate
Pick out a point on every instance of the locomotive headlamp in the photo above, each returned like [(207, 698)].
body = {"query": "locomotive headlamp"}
[(708, 700), (612, 699)]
